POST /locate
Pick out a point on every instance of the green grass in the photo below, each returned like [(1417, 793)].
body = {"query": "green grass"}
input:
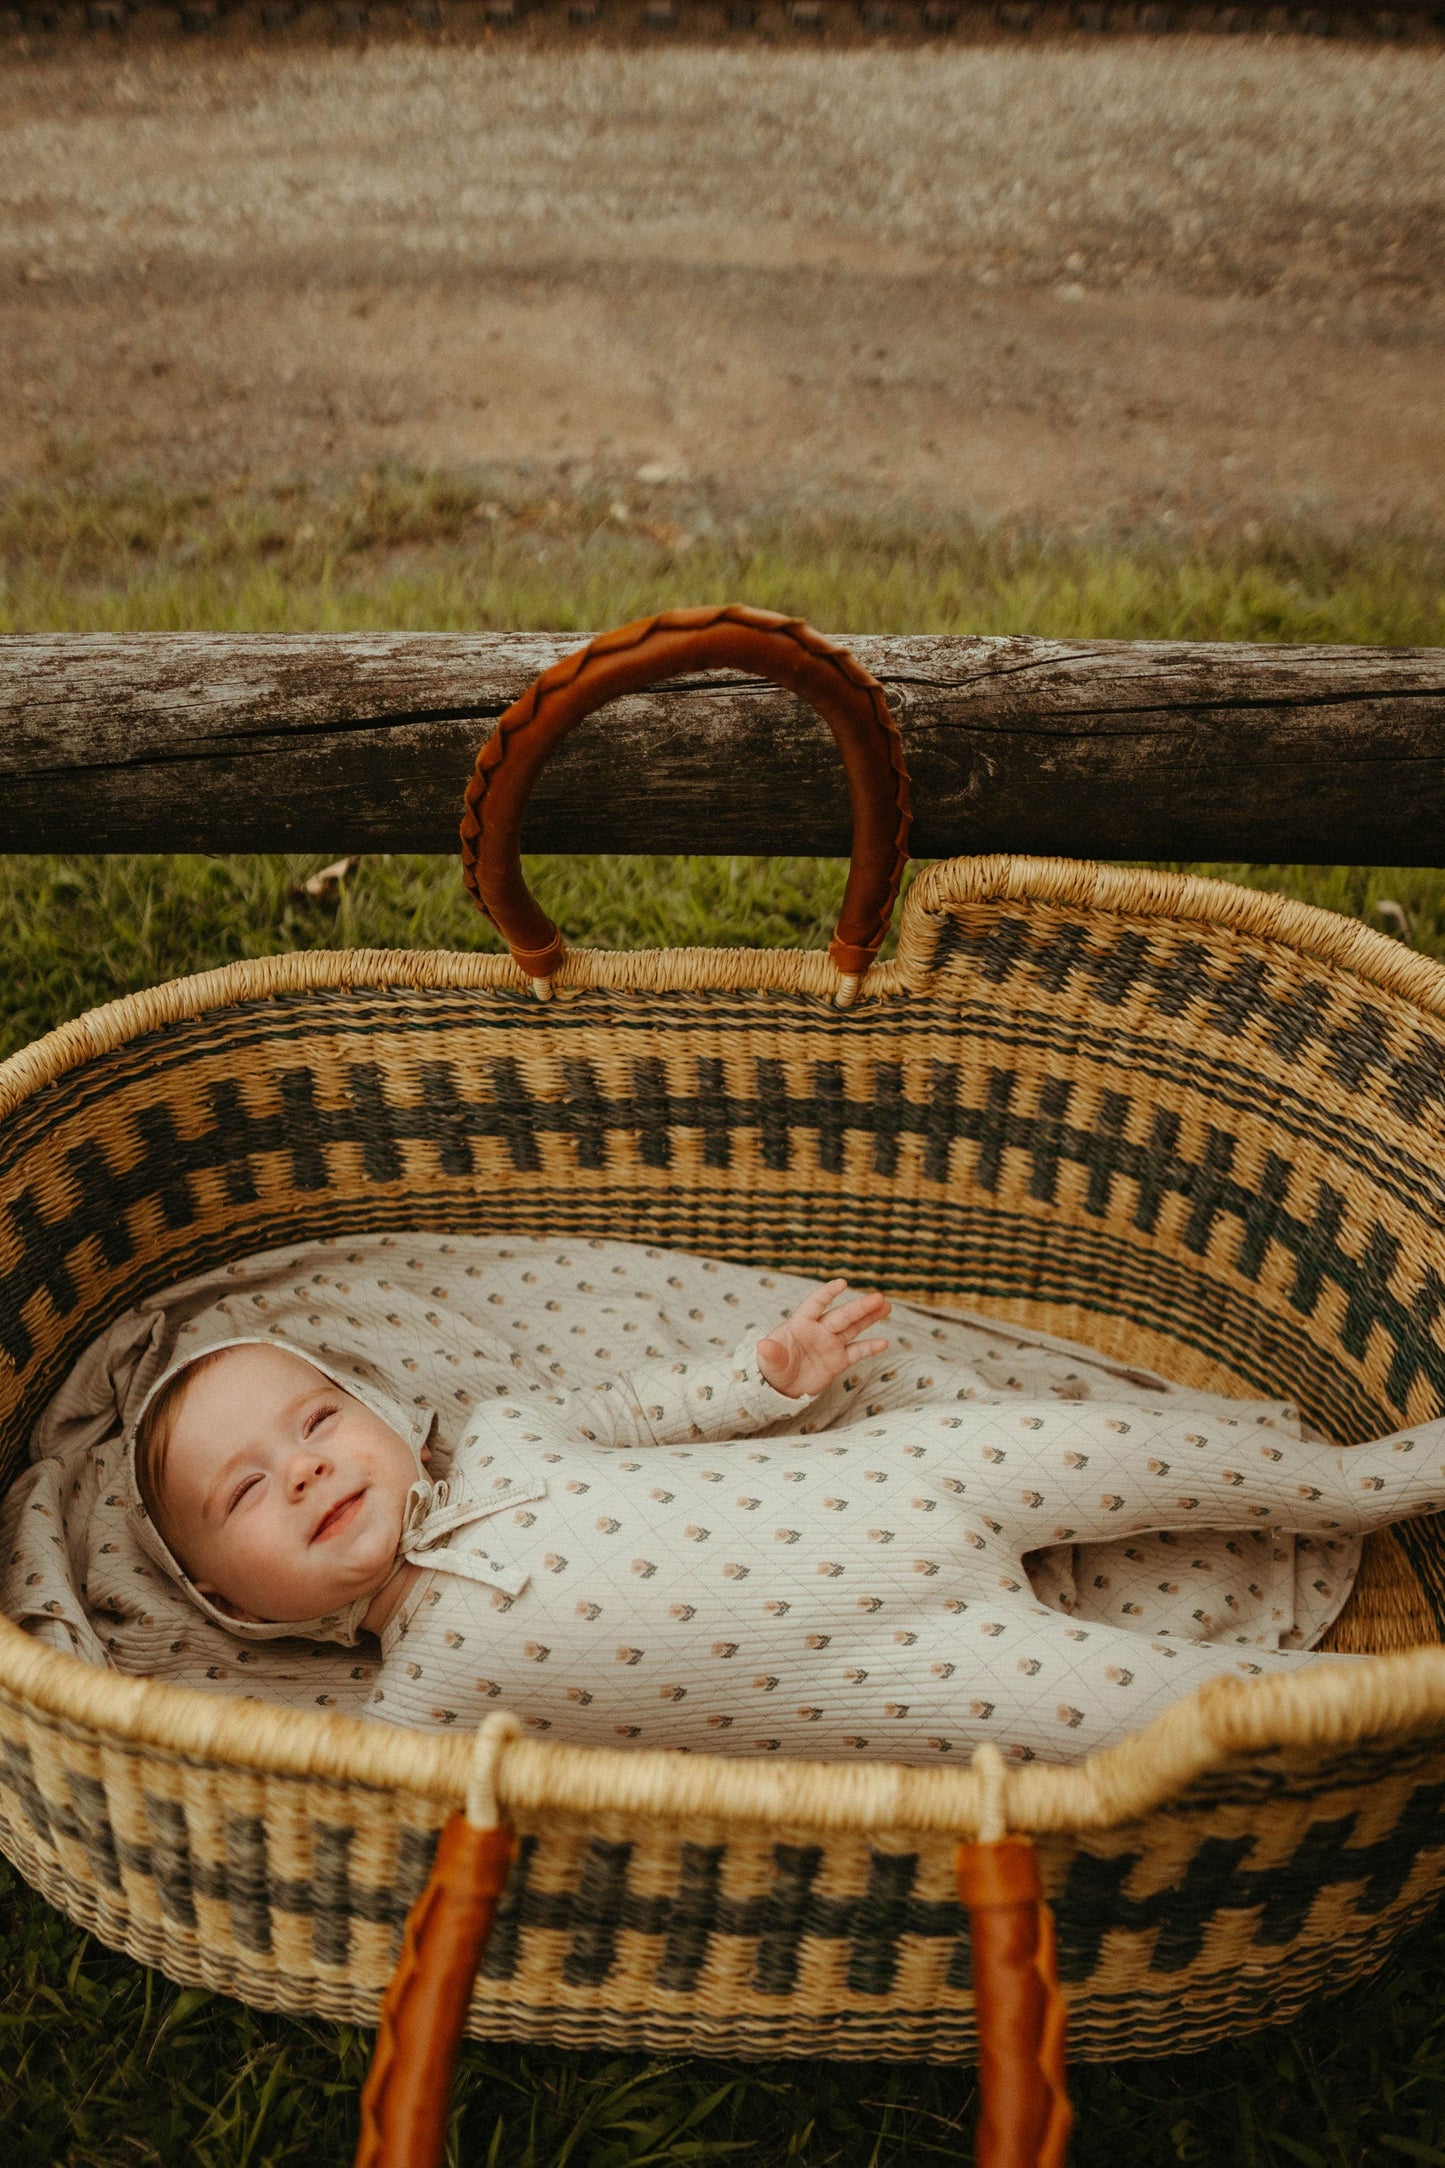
[(405, 550), (106, 2065)]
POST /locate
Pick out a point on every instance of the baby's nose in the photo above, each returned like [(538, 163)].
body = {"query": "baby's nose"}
[(303, 1473)]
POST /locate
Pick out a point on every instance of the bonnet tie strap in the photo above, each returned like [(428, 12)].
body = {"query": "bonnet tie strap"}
[(433, 1516)]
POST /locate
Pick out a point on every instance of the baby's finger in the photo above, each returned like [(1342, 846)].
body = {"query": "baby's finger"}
[(850, 1315), (814, 1305), (860, 1350)]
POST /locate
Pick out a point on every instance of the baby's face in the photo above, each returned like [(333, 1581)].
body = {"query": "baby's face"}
[(283, 1496)]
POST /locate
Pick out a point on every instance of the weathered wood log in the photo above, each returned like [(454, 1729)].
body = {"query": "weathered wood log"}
[(1109, 749)]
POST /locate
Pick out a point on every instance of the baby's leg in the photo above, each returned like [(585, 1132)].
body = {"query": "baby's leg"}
[(1048, 1474), (1040, 1684)]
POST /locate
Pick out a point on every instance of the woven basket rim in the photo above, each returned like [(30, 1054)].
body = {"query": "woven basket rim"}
[(1321, 936), (1332, 1708)]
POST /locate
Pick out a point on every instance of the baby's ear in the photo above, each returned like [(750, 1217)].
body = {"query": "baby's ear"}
[(237, 1611)]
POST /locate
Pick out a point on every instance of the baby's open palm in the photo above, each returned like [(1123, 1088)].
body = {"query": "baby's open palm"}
[(817, 1344)]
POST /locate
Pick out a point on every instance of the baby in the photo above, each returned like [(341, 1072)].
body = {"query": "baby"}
[(285, 1498), (639, 1563)]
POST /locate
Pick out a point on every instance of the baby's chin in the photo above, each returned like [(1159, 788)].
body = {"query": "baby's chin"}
[(362, 1574)]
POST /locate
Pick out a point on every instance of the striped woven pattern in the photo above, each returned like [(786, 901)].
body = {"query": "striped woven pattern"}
[(1197, 1128)]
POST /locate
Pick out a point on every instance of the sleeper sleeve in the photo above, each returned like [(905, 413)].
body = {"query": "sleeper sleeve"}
[(668, 1403)]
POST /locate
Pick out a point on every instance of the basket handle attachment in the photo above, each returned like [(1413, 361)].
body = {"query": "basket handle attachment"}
[(784, 649), (1025, 2117), (405, 2100)]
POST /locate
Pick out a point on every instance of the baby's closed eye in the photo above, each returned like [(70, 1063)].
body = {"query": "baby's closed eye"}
[(239, 1493)]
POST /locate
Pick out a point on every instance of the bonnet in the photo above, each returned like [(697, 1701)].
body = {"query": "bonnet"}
[(354, 1375)]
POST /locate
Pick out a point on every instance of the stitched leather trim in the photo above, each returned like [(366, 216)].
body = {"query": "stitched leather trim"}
[(761, 642)]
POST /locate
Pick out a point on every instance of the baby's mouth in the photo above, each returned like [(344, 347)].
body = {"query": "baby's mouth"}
[(338, 1517)]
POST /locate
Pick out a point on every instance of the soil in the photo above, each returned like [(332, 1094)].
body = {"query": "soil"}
[(1197, 279)]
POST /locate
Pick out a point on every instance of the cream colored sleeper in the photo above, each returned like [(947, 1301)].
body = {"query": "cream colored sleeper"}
[(651, 1577)]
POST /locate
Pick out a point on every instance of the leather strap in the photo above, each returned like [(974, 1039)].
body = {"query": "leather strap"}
[(1025, 2117), (405, 2101), (760, 642)]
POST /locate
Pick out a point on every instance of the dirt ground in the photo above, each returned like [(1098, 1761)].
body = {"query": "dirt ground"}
[(1197, 279)]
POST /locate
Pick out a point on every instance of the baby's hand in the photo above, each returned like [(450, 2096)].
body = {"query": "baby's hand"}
[(810, 1350)]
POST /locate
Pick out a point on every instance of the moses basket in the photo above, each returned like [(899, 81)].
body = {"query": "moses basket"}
[(1196, 1127)]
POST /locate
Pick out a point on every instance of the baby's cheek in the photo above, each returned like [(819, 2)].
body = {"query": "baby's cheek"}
[(271, 1574), (261, 1566)]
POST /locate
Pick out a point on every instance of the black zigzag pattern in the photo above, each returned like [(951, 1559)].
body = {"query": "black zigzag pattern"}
[(1120, 1142), (1353, 1035), (1093, 1903), (684, 1925)]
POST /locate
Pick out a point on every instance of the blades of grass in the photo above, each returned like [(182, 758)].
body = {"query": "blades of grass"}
[(1297, 2150), (187, 2002), (403, 552)]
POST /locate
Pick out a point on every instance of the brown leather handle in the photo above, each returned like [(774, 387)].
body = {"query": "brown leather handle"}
[(405, 2100), (733, 637), (1025, 2118)]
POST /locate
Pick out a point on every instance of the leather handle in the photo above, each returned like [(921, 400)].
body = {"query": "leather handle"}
[(1025, 2118), (405, 2101), (760, 642)]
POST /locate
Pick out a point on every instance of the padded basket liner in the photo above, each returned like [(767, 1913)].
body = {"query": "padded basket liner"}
[(1195, 1127)]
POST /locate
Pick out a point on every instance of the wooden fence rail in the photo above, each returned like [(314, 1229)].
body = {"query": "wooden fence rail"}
[(355, 742)]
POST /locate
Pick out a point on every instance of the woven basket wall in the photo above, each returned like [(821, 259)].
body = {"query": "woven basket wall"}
[(1192, 1126)]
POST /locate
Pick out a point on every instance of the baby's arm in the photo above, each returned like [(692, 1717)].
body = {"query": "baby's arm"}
[(660, 1404), (674, 1403)]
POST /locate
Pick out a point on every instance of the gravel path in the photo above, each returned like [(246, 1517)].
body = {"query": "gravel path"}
[(1202, 278)]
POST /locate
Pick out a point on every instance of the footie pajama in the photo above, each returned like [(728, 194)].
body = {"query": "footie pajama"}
[(981, 1534), (625, 1566)]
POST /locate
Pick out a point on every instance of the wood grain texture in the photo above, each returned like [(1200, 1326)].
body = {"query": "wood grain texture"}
[(1105, 749)]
